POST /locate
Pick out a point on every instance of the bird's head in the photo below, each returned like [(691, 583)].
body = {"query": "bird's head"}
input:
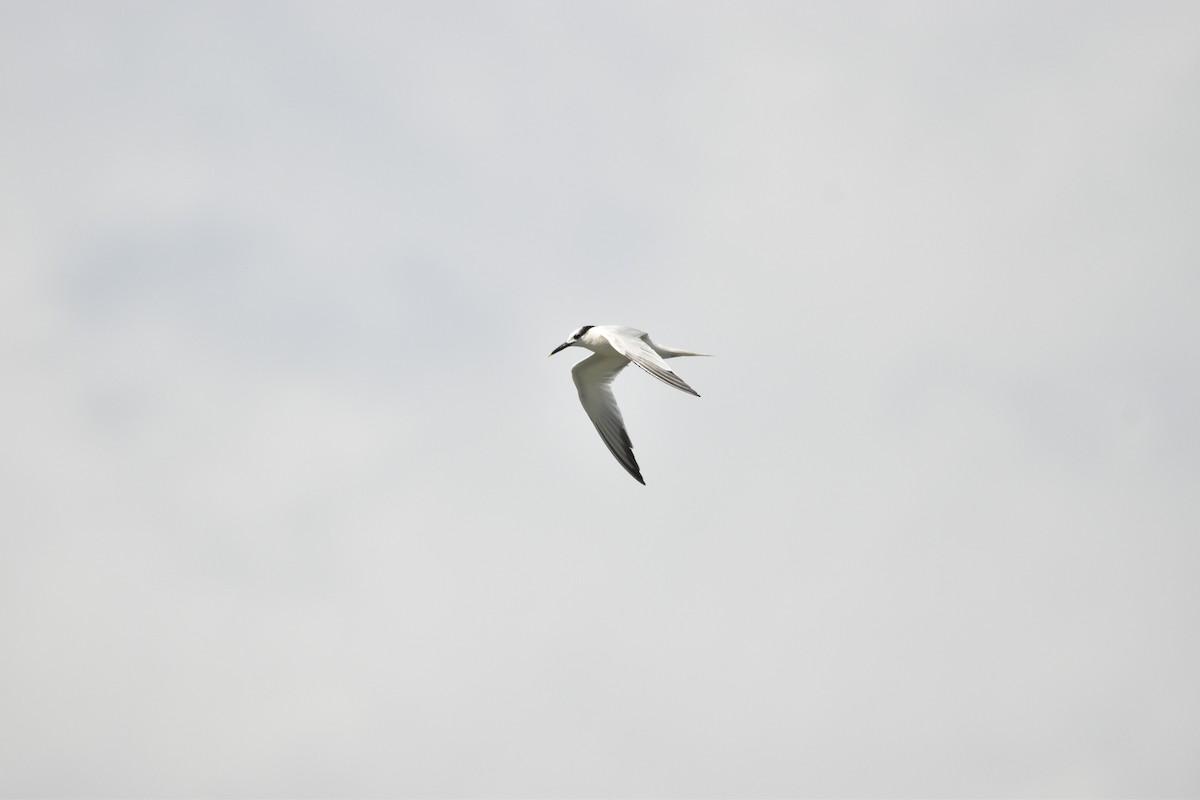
[(573, 339)]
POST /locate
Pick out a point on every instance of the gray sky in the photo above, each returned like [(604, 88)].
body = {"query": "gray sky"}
[(292, 502)]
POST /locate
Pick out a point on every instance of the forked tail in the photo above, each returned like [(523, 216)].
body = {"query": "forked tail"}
[(671, 352)]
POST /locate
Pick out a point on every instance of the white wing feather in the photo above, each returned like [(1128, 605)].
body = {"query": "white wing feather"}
[(632, 344), (593, 378)]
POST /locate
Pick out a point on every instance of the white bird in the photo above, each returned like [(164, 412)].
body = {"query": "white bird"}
[(613, 347)]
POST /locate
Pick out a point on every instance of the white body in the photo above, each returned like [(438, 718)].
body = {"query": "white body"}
[(613, 347)]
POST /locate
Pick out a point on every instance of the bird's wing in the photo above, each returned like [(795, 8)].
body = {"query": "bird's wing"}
[(593, 378), (636, 350)]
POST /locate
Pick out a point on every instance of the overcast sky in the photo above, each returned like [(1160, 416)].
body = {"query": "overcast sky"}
[(293, 504)]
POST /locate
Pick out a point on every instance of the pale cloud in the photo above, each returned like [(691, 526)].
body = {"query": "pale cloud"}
[(292, 503)]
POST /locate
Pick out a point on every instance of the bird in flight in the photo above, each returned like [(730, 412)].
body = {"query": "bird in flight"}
[(613, 347)]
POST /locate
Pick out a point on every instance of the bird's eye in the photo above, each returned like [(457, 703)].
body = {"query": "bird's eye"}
[(582, 331)]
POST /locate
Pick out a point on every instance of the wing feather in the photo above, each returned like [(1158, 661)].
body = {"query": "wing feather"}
[(593, 378), (639, 352)]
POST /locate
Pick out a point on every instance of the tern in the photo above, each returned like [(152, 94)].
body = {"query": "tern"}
[(613, 347)]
